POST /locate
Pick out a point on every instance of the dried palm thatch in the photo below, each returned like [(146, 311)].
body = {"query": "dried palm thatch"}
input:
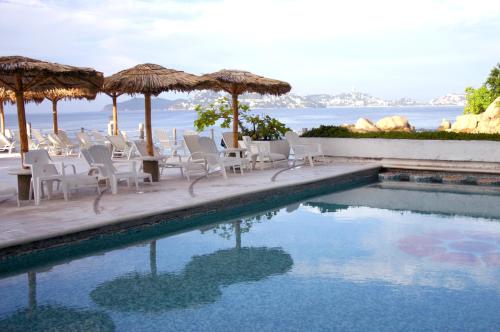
[(240, 81), (154, 79), (236, 82), (151, 80), (22, 74), (10, 97)]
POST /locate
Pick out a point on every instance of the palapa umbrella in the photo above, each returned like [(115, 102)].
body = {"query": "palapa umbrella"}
[(9, 96), (236, 82), (198, 283), (151, 80), (22, 74), (114, 96), (49, 317), (55, 95)]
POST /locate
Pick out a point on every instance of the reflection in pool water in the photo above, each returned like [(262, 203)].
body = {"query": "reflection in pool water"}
[(324, 264)]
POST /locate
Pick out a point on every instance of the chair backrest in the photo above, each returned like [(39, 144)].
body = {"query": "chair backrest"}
[(192, 143), (38, 135), (55, 140), (36, 157), (209, 149), (40, 163), (250, 145), (9, 133), (98, 137), (100, 154), (142, 149), (118, 142), (4, 140), (292, 138), (64, 137), (227, 136), (83, 139)]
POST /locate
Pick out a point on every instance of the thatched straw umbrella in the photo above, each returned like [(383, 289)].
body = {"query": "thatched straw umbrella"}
[(22, 74), (55, 95), (236, 82), (151, 80), (4, 96), (10, 96)]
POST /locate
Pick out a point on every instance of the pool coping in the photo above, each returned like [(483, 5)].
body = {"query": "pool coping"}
[(123, 223)]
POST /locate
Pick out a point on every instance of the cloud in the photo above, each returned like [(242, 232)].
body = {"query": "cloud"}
[(319, 46)]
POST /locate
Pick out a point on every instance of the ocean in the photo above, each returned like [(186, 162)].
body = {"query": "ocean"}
[(421, 117)]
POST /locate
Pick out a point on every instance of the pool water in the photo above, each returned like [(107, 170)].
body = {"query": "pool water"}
[(343, 261)]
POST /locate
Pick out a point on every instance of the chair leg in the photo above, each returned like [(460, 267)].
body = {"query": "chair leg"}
[(311, 161)]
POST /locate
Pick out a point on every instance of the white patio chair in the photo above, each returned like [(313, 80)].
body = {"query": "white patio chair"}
[(303, 150), (98, 138), (168, 144), (9, 133), (217, 161), (63, 136), (84, 140), (261, 152), (57, 146), (121, 148), (44, 171), (100, 159), (6, 144), (164, 161), (40, 141)]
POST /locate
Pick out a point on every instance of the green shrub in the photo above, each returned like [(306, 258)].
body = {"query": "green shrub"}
[(477, 100), (341, 132)]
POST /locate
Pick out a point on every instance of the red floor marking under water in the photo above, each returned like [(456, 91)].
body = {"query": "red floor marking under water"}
[(454, 247)]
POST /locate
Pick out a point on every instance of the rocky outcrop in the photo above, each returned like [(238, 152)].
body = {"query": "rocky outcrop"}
[(394, 123), (487, 122), (445, 125), (390, 123), (364, 126)]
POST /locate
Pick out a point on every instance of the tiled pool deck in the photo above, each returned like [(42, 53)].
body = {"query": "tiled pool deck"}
[(57, 218)]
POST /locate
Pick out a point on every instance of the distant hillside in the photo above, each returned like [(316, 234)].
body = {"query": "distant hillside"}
[(290, 100), (135, 104)]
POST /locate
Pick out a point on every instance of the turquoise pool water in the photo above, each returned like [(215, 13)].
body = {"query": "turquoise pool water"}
[(342, 261)]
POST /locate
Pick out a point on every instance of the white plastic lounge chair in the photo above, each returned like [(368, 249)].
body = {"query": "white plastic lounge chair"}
[(57, 146), (101, 160), (6, 144), (227, 137), (9, 133), (164, 161), (98, 138), (121, 148), (7, 192), (261, 152), (215, 159), (303, 150), (44, 171), (168, 144), (84, 140), (63, 136), (40, 141)]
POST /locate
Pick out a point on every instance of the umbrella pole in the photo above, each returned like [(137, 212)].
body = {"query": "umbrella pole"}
[(150, 165), (2, 119), (21, 116), (235, 120), (115, 115), (55, 127), (149, 136)]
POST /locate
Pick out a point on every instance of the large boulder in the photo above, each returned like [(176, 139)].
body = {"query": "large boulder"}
[(394, 123), (445, 125), (465, 123), (365, 126), (493, 111)]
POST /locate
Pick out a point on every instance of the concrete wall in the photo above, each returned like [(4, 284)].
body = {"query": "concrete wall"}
[(435, 150)]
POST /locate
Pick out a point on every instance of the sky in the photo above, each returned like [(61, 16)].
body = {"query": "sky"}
[(388, 48)]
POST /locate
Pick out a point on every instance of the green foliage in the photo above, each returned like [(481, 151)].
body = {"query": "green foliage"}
[(260, 127), (341, 132), (220, 109), (493, 82), (477, 100)]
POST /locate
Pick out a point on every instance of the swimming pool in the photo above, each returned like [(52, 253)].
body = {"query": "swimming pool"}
[(369, 258)]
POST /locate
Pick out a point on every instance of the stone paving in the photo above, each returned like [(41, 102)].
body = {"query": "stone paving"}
[(86, 211)]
